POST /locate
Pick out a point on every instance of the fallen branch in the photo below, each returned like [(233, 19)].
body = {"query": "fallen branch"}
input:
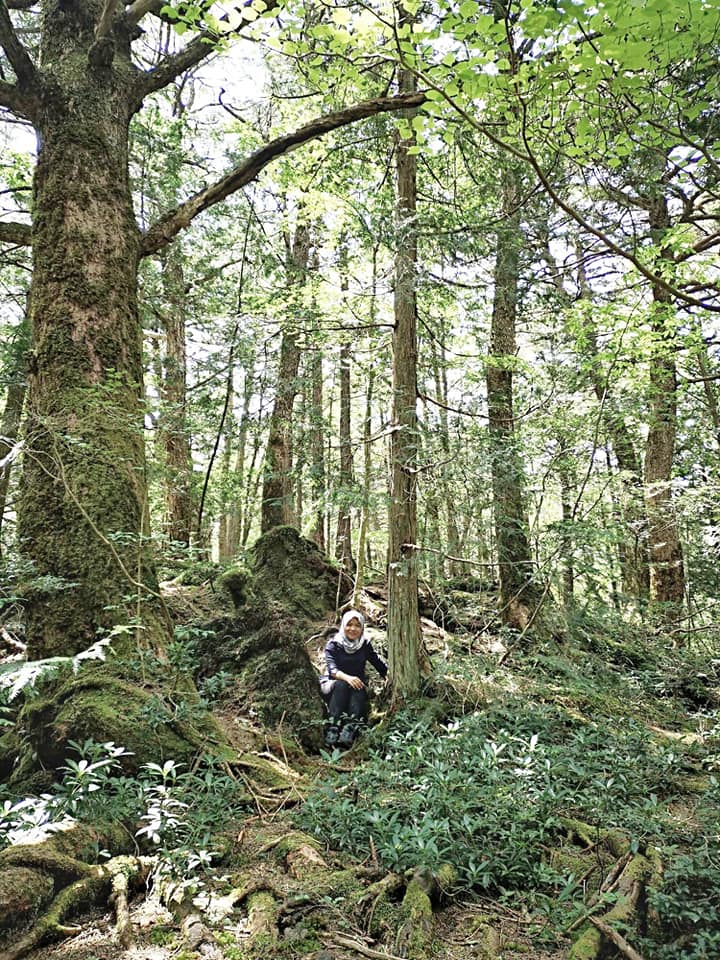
[(358, 947), (619, 941)]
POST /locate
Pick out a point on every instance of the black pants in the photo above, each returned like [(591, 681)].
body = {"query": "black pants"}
[(347, 703)]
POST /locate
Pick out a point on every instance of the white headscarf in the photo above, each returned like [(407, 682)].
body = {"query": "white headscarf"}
[(351, 646)]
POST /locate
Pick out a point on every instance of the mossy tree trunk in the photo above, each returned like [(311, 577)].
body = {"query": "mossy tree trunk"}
[(667, 578), (83, 513), (277, 494), (12, 411), (518, 592)]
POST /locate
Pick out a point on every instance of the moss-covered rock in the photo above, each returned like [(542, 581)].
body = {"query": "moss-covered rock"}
[(290, 571)]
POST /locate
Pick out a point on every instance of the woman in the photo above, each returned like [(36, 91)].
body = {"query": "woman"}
[(347, 654)]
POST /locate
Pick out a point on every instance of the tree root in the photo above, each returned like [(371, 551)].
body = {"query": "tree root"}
[(629, 880), (82, 884)]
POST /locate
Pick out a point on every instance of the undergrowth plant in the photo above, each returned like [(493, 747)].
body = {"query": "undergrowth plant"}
[(489, 793)]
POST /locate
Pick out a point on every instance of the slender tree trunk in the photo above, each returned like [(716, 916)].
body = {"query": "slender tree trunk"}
[(317, 448), (667, 579), (83, 511), (13, 411), (367, 480), (235, 514), (277, 495), (518, 593), (172, 426), (343, 536), (448, 494), (633, 549), (403, 620)]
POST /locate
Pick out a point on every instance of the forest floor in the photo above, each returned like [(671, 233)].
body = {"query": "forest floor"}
[(598, 689)]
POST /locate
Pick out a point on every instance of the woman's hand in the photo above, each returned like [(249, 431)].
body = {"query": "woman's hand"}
[(355, 682)]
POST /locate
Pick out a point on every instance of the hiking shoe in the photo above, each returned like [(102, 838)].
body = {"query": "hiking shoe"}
[(347, 736), (331, 736)]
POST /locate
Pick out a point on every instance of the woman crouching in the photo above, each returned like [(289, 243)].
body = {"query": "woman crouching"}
[(347, 654)]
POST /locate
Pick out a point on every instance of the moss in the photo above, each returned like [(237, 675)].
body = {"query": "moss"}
[(100, 706), (290, 571), (237, 583), (415, 935), (23, 892)]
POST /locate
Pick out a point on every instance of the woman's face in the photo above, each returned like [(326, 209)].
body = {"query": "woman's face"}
[(353, 629)]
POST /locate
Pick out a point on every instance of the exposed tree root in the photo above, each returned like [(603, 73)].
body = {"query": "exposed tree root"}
[(628, 880), (43, 884)]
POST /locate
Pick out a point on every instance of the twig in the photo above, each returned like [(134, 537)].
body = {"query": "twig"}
[(619, 941)]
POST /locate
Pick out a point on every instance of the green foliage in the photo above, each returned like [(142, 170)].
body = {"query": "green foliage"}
[(487, 792), (687, 903), (177, 813)]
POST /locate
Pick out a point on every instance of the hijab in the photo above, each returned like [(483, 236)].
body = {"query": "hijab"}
[(351, 646)]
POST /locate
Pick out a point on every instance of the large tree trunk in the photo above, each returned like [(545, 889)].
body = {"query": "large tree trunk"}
[(403, 621), (667, 579), (83, 512), (518, 593), (277, 496)]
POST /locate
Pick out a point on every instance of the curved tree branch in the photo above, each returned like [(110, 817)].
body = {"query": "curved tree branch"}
[(162, 232), (137, 10), (16, 53), (19, 234), (172, 66)]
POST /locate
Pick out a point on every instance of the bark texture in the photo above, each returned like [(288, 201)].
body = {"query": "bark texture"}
[(83, 511), (277, 497), (403, 621), (667, 578), (518, 593)]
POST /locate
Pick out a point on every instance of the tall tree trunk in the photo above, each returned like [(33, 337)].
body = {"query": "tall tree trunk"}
[(317, 448), (403, 620), (667, 578), (172, 426), (518, 593), (449, 499), (277, 495), (343, 536), (633, 548), (234, 520), (83, 511), (367, 479)]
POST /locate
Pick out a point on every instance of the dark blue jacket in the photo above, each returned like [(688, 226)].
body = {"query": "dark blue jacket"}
[(353, 663)]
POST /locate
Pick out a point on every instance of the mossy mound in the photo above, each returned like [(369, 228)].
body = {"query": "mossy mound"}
[(99, 705), (287, 586), (274, 678), (290, 571)]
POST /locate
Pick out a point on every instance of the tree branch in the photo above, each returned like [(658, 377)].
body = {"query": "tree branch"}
[(195, 52), (162, 232), (18, 234), (172, 66), (137, 10), (16, 53), (20, 103)]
